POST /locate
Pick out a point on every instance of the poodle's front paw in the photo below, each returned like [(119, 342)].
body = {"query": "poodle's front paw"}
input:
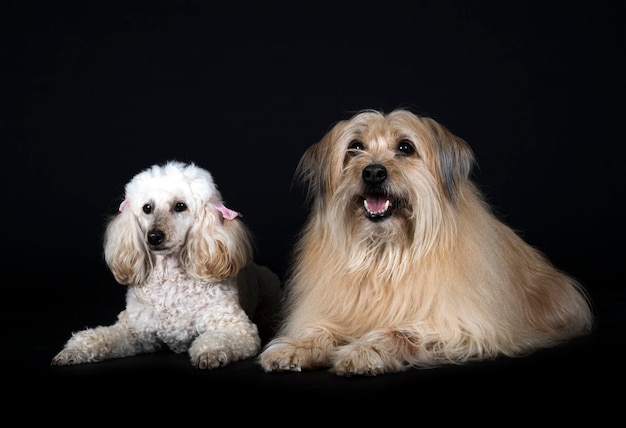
[(213, 349), (287, 354), (72, 356), (210, 360)]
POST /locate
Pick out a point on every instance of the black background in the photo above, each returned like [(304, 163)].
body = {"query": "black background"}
[(94, 92)]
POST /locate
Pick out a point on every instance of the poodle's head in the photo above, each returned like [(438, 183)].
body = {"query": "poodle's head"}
[(175, 209)]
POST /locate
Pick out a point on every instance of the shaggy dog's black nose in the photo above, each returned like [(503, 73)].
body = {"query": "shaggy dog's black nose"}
[(374, 174), (155, 237)]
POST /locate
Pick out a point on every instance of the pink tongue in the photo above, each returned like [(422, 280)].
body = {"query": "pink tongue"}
[(375, 203)]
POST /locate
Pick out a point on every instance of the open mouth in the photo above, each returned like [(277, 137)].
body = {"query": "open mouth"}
[(377, 206)]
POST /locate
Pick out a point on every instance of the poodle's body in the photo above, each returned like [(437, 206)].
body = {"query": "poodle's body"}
[(192, 284)]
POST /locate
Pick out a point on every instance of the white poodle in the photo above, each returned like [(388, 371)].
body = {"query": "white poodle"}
[(187, 260)]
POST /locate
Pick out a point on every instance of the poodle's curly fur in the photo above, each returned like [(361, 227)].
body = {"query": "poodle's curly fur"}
[(192, 284)]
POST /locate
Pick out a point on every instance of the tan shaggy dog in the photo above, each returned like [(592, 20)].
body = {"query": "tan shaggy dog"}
[(403, 264)]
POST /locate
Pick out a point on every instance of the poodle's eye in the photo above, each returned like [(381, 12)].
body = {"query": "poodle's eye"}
[(406, 147), (180, 207), (355, 146), (148, 208)]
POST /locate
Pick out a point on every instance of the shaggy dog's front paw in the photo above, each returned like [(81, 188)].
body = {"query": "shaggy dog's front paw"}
[(358, 359), (281, 358), (288, 354)]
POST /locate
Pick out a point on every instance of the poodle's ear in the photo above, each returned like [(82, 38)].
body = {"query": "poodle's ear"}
[(218, 244), (124, 250)]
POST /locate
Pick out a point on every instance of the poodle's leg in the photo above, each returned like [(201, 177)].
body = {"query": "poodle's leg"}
[(101, 343), (213, 349), (312, 349)]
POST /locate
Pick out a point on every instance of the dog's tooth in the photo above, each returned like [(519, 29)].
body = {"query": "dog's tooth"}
[(377, 212)]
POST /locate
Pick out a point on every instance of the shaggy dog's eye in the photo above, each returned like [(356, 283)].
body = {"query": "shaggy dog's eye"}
[(180, 206), (354, 146), (147, 208), (406, 147)]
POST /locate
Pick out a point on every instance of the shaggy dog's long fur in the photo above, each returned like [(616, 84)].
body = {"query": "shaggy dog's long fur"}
[(402, 263), (192, 284)]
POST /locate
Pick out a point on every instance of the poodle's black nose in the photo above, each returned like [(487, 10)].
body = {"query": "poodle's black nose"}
[(374, 174), (156, 237)]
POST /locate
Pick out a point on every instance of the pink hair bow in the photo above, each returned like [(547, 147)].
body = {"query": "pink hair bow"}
[(227, 213)]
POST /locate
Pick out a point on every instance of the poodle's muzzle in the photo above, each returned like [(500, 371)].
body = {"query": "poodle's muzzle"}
[(156, 238), (157, 242)]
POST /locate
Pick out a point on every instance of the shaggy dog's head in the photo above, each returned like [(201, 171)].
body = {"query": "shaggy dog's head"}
[(391, 176)]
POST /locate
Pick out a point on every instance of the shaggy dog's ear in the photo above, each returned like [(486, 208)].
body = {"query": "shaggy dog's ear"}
[(310, 173), (217, 247), (454, 158), (124, 249), (320, 166)]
